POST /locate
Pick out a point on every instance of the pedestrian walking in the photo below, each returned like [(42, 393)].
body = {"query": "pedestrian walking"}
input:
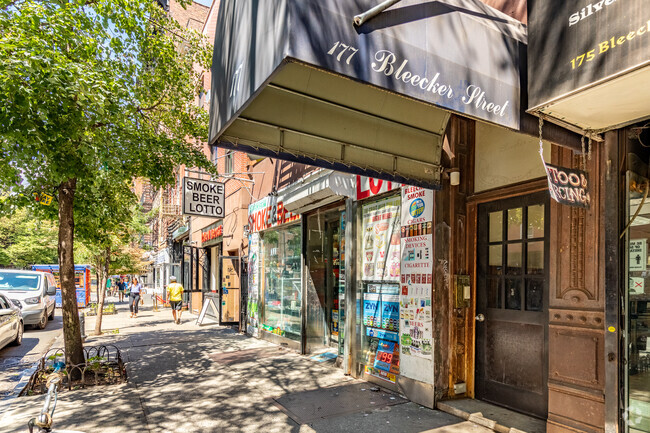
[(108, 286), (134, 296), (121, 288), (175, 298)]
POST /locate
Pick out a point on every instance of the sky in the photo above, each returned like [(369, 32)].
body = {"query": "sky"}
[(204, 2)]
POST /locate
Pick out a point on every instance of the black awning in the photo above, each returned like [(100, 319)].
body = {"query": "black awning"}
[(297, 80)]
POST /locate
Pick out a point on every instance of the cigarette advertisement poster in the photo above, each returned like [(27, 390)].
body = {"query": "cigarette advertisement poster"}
[(381, 240), (416, 322)]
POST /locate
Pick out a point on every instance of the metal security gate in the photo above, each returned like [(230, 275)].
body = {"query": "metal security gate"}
[(512, 306)]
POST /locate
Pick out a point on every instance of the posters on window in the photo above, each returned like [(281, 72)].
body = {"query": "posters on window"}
[(252, 327), (638, 255), (416, 322), (381, 319), (381, 240)]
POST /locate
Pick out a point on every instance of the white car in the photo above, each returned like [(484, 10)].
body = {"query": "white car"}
[(11, 323), (33, 292)]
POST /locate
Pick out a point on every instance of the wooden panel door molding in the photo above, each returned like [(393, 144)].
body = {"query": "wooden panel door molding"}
[(576, 306)]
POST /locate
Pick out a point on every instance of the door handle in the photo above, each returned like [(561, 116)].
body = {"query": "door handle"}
[(480, 318)]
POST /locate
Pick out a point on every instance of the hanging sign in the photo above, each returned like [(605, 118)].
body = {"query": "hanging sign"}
[(638, 254), (44, 199), (568, 186), (203, 198)]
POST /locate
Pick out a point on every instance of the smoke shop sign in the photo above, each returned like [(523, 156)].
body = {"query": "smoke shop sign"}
[(268, 212), (567, 186), (203, 198)]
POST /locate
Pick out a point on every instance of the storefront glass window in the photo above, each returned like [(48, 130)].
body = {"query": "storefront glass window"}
[(379, 240), (323, 280), (637, 416), (282, 281)]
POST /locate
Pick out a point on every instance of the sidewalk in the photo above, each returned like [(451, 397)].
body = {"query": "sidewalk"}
[(189, 378)]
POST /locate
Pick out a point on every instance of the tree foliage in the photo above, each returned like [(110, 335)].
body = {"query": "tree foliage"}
[(26, 239), (95, 93), (96, 85)]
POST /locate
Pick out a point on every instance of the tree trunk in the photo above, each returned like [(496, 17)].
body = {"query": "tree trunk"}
[(98, 276), (74, 353), (106, 262)]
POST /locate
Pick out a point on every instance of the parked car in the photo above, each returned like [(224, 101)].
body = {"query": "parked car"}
[(11, 323), (33, 292)]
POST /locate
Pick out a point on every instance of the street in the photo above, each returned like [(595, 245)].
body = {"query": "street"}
[(14, 360)]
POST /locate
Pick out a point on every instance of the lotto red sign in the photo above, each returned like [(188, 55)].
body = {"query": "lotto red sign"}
[(368, 186)]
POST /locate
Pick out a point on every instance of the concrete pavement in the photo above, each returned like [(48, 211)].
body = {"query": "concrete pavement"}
[(189, 378)]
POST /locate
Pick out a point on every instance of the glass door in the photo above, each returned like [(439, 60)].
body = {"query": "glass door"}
[(637, 306), (512, 288), (323, 282)]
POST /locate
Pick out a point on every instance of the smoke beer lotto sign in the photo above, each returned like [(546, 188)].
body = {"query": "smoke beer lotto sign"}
[(203, 198), (568, 186)]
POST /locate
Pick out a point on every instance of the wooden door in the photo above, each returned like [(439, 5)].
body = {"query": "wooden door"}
[(511, 303)]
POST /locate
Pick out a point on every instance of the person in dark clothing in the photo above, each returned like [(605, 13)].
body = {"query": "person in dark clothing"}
[(121, 287)]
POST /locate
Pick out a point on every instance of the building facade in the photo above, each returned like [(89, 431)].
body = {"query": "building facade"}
[(506, 261)]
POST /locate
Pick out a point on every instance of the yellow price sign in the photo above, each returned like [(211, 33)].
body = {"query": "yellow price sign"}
[(46, 199)]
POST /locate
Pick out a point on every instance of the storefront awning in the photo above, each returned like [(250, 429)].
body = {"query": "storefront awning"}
[(589, 68), (318, 189), (180, 232), (296, 80)]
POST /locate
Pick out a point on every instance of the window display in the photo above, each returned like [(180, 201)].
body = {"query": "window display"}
[(282, 281), (380, 245)]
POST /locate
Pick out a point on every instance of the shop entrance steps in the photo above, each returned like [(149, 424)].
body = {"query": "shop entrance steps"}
[(494, 417)]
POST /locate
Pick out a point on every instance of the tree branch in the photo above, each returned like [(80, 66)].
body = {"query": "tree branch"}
[(162, 98)]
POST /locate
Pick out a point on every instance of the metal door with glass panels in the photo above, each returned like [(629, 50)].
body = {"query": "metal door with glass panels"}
[(636, 320), (511, 303)]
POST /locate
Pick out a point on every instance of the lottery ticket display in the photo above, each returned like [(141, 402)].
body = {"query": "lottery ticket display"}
[(381, 275)]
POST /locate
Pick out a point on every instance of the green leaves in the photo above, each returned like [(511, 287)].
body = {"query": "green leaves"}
[(25, 240), (101, 91)]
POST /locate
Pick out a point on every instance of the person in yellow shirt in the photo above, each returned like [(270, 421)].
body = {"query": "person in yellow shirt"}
[(175, 298)]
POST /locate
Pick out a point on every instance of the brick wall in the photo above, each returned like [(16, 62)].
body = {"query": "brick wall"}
[(193, 16)]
